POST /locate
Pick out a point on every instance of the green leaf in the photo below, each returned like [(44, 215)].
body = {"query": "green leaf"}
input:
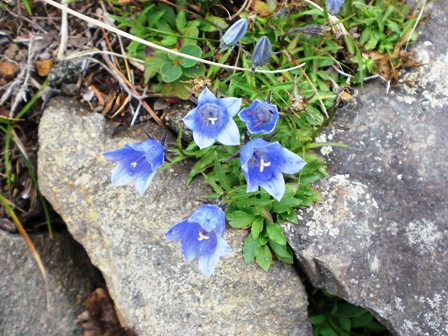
[(221, 174), (345, 323), (275, 233), (170, 71), (349, 310), (282, 252), (375, 327), (217, 21), (192, 50), (350, 42), (195, 71), (239, 219), (190, 35), (176, 88), (155, 62), (251, 248), (213, 184), (361, 321), (169, 41), (318, 319), (286, 204), (181, 21), (257, 227), (202, 164), (326, 330), (264, 258), (155, 18)]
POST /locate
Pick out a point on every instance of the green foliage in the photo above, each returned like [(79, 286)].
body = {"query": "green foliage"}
[(331, 315)]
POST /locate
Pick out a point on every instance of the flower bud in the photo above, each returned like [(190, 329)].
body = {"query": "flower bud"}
[(262, 51), (333, 6), (234, 34)]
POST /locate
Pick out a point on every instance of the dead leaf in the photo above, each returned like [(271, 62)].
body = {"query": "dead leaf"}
[(261, 8), (109, 100), (43, 67), (78, 42), (45, 42), (101, 319), (8, 70)]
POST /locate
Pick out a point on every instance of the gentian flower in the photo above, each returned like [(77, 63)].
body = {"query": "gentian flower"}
[(234, 34), (262, 51), (260, 117), (137, 162), (334, 6), (264, 162), (201, 235), (212, 120)]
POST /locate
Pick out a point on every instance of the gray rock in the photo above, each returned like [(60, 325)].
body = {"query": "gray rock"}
[(70, 89), (172, 118), (23, 302), (156, 292), (63, 73), (380, 238)]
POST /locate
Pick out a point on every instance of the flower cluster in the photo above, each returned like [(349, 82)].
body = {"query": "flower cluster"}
[(262, 164)]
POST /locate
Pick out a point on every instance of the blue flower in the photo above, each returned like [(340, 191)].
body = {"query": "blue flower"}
[(201, 235), (260, 117), (212, 120), (262, 51), (138, 162), (234, 34), (334, 6), (264, 162)]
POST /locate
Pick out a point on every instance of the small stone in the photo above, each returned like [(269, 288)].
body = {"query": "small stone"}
[(63, 73), (15, 53), (70, 89), (8, 70), (172, 117), (43, 67)]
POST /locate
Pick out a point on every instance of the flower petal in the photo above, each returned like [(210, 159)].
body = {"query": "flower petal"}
[(232, 105), (203, 140), (209, 217), (177, 231), (206, 96), (252, 185), (191, 245), (209, 258), (128, 170), (142, 182), (275, 186), (190, 118), (153, 149), (230, 135), (293, 163), (248, 149), (119, 154), (210, 254)]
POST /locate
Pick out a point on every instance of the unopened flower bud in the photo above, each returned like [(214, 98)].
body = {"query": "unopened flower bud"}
[(234, 34), (262, 51), (333, 6)]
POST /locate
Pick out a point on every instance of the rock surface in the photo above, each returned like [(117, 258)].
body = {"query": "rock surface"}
[(23, 302), (156, 292), (380, 238)]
